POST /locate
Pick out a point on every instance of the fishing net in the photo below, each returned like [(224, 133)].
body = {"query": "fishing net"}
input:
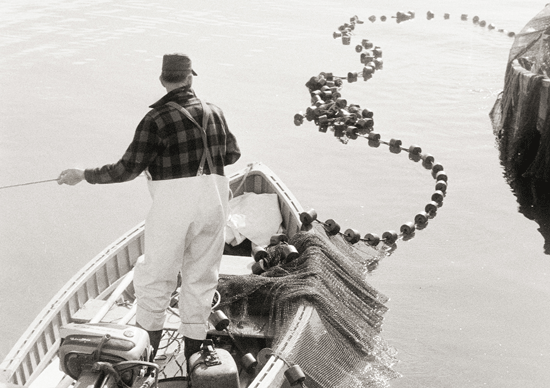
[(531, 45), (340, 344), (521, 114)]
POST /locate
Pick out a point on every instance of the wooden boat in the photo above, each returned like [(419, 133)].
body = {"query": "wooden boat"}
[(102, 292)]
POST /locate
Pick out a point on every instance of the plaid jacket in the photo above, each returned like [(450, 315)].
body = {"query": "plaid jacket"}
[(170, 146)]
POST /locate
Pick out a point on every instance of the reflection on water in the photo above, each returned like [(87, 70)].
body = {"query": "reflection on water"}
[(534, 203)]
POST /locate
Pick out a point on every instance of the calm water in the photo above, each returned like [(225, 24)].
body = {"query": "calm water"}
[(469, 295)]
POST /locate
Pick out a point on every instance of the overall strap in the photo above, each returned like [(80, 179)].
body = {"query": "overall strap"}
[(206, 113)]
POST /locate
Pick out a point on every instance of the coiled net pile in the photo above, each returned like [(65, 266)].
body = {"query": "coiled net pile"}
[(341, 344), (521, 115), (521, 121)]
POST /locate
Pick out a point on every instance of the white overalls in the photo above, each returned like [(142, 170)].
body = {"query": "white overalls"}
[(183, 230)]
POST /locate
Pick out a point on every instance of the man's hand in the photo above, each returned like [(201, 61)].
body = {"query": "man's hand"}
[(71, 176)]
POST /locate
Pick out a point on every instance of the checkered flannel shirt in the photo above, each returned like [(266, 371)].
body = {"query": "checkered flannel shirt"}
[(170, 146)]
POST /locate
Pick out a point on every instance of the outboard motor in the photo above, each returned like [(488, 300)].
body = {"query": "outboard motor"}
[(88, 352)]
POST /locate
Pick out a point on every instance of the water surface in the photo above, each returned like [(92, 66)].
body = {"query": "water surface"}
[(469, 294)]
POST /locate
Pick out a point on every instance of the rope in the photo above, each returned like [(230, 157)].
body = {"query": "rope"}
[(28, 183), (142, 175)]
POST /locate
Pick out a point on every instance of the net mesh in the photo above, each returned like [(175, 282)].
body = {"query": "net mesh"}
[(340, 344), (531, 45)]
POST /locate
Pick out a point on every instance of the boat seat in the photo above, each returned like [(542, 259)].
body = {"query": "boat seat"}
[(236, 265)]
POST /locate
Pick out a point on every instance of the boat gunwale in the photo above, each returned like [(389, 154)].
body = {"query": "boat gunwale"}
[(21, 351)]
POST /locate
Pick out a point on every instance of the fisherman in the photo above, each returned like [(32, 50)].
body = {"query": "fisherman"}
[(182, 144)]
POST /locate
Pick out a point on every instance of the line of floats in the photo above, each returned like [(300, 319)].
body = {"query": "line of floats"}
[(329, 111)]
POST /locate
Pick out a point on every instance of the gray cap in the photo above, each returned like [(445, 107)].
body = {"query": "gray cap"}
[(175, 63)]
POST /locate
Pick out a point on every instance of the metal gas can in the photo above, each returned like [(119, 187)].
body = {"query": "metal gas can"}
[(213, 368)]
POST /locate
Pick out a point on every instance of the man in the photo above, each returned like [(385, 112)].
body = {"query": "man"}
[(183, 145)]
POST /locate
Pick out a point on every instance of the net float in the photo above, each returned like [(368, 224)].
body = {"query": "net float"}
[(374, 139), (421, 218), (341, 102), (298, 119), (437, 167), (415, 150), (310, 113), (308, 217), (428, 158), (278, 238), (366, 57), (219, 320), (316, 99), (395, 143), (364, 124), (352, 236), (295, 375), (259, 253), (339, 130), (352, 77), (249, 362), (395, 146), (431, 208), (441, 186), (351, 132), (371, 64), (259, 267), (438, 196), (367, 113), (368, 71), (441, 176), (367, 44), (354, 108), (372, 239), (332, 227), (389, 237), (374, 136), (323, 120), (408, 228), (290, 253)]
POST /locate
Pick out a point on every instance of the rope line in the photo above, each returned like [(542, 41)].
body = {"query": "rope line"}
[(28, 183), (331, 112)]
